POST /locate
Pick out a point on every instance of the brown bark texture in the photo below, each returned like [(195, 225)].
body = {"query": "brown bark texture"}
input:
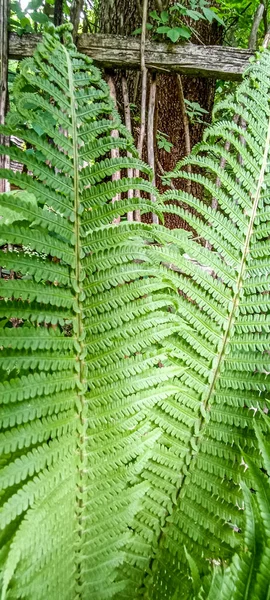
[(4, 10), (123, 17)]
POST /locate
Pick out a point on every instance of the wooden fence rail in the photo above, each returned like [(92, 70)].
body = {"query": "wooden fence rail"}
[(124, 52)]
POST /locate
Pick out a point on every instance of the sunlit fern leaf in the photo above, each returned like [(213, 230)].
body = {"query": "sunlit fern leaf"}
[(81, 370), (194, 499)]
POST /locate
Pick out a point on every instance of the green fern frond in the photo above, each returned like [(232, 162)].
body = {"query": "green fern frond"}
[(224, 300), (248, 575), (82, 369)]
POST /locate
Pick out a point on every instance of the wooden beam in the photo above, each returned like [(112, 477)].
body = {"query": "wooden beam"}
[(124, 52)]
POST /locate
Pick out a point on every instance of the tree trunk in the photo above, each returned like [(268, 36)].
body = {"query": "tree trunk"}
[(4, 11), (123, 17)]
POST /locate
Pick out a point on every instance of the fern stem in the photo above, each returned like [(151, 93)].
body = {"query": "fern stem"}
[(242, 268), (78, 324)]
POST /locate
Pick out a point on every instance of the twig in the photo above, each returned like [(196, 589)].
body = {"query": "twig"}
[(186, 124), (129, 127), (169, 182), (195, 33), (144, 80), (144, 93), (115, 151), (150, 134), (136, 85), (252, 42)]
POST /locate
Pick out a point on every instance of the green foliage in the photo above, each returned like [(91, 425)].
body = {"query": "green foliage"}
[(162, 142), (195, 111), (176, 22), (238, 17), (34, 15), (31, 18), (140, 358), (248, 575)]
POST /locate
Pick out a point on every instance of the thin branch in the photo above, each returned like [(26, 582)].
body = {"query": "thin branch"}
[(252, 42), (115, 151), (144, 79), (168, 182), (150, 134), (144, 92), (186, 125), (129, 127), (136, 85)]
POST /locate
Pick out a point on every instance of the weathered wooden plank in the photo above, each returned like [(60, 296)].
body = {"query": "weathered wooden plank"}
[(117, 51)]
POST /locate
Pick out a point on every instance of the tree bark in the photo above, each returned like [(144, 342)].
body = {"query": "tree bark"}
[(4, 8), (58, 13), (123, 17)]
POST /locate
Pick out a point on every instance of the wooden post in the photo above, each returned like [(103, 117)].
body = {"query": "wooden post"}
[(4, 161)]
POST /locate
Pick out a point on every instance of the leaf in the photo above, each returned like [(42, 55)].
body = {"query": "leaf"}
[(210, 15), (163, 29), (139, 30), (196, 580), (25, 22), (39, 17), (194, 14), (178, 32), (34, 4), (154, 15), (164, 15), (173, 35)]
